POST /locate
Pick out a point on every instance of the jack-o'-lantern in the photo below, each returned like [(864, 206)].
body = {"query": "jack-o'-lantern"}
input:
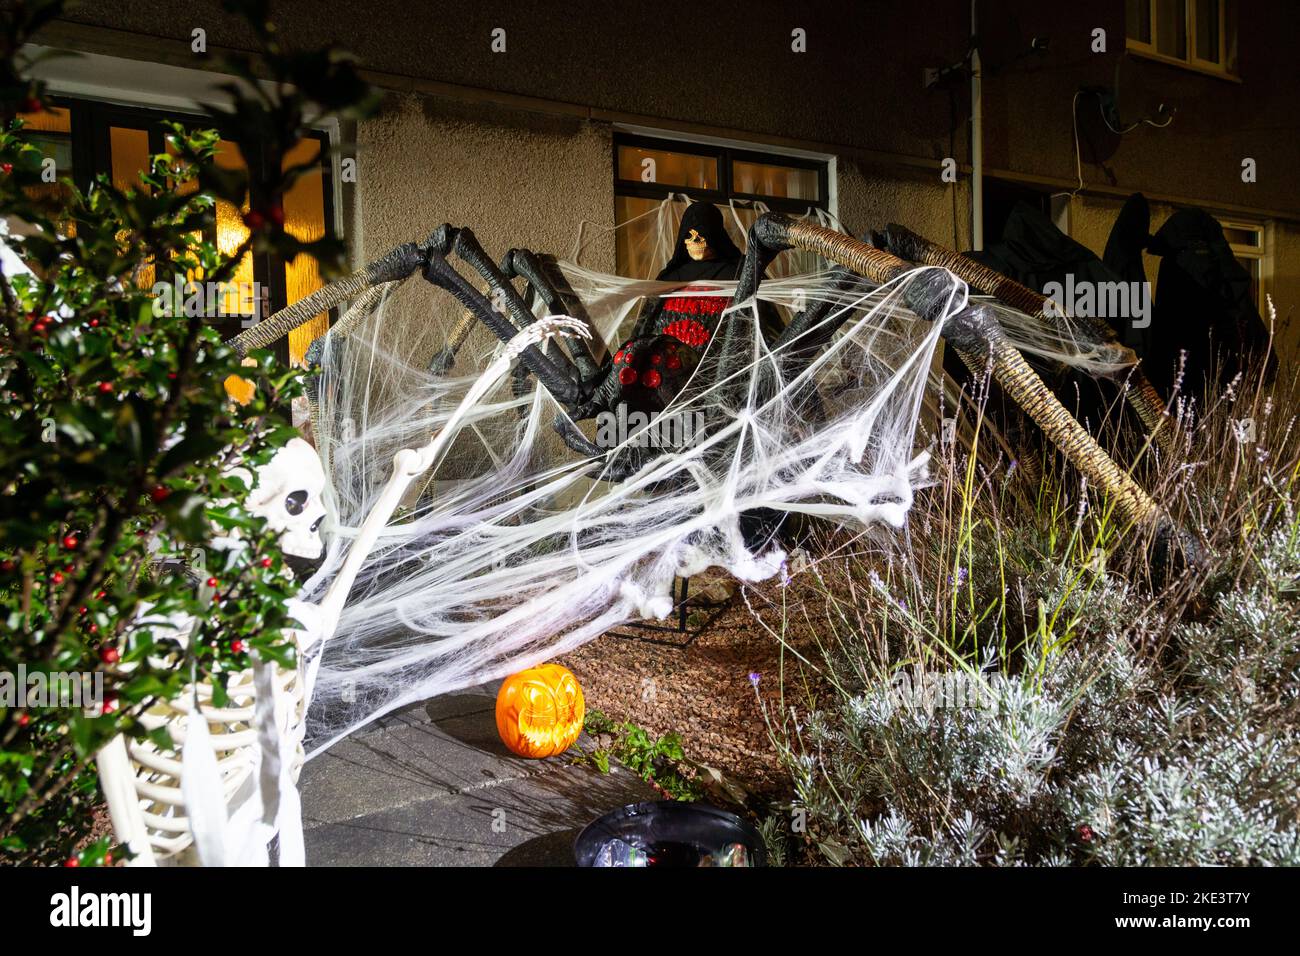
[(540, 711)]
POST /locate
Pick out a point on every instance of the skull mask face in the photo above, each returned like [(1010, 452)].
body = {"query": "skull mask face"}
[(697, 247), (287, 493)]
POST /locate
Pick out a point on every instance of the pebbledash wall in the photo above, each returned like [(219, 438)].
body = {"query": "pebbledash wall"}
[(518, 144)]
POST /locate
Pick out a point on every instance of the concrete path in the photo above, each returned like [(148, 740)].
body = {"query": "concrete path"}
[(434, 786)]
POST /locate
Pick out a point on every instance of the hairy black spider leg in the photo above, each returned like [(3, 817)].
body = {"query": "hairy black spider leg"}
[(467, 247), (545, 280), (440, 273)]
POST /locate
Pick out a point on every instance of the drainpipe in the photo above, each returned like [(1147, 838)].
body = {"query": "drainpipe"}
[(976, 138)]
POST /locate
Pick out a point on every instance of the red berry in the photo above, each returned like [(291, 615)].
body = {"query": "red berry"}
[(627, 375), (237, 646), (216, 598), (23, 719), (1085, 833), (83, 610), (70, 542), (8, 565), (276, 214), (57, 577), (105, 388), (110, 655), (72, 861), (266, 562), (110, 704), (618, 357), (651, 379), (7, 167), (108, 859), (674, 363), (159, 494), (32, 105), (656, 359), (254, 220), (39, 328), (213, 582), (99, 595), (94, 629)]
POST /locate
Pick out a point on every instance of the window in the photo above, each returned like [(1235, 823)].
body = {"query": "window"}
[(648, 171), (1200, 34), (88, 138), (1246, 240)]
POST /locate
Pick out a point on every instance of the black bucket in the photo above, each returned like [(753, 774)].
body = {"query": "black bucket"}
[(669, 833)]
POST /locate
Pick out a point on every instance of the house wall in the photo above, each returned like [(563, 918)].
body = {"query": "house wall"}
[(517, 179), (516, 144), (858, 86)]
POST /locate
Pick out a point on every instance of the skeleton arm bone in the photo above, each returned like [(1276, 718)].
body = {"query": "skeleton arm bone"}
[(409, 463)]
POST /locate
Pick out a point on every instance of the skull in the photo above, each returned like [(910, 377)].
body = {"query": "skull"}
[(697, 247), (287, 493)]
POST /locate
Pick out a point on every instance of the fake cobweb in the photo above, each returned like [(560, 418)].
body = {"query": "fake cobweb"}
[(512, 549)]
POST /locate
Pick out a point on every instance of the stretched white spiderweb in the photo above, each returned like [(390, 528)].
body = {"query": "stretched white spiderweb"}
[(515, 551)]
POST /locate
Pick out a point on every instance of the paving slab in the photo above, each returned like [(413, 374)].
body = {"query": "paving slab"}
[(432, 785)]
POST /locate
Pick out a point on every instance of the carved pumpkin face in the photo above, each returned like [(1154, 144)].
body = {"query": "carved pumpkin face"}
[(540, 711)]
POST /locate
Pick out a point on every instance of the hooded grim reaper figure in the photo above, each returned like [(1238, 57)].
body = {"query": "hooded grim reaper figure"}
[(703, 252), (704, 257)]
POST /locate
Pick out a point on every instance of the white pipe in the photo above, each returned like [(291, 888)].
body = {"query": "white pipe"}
[(976, 139)]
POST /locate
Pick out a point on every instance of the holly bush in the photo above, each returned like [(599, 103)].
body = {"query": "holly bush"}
[(117, 435)]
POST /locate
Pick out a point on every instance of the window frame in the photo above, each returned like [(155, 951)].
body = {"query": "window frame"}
[(1191, 62), (1257, 253), (91, 121), (724, 156)]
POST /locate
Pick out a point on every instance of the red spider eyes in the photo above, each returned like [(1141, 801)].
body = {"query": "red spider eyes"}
[(662, 355)]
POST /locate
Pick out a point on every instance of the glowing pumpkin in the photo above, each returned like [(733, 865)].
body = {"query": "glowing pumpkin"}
[(540, 711)]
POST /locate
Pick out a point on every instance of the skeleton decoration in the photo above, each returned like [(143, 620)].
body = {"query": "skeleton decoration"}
[(288, 494), (227, 786), (211, 788), (804, 395)]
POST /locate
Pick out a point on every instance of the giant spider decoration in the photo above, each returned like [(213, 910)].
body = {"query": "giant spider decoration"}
[(648, 370)]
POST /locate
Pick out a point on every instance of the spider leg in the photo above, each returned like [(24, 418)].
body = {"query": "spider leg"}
[(397, 264), (440, 272), (734, 336), (809, 332), (975, 329), (547, 282), (466, 245)]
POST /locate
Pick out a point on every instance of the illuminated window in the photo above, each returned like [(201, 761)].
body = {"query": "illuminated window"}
[(87, 138), (1201, 34), (648, 171), (1246, 240)]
